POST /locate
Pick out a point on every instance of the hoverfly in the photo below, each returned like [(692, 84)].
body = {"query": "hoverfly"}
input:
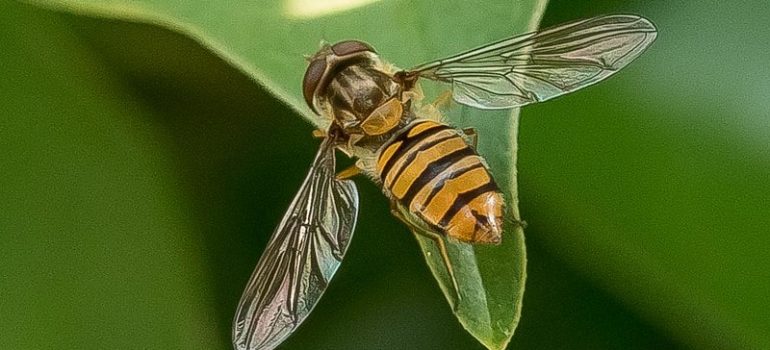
[(430, 171)]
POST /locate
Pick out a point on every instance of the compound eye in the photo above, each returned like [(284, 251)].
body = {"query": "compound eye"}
[(313, 74), (348, 47)]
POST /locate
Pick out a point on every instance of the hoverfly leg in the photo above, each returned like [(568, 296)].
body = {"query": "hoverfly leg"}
[(443, 100), (440, 243), (433, 110), (319, 134), (472, 135), (348, 172), (517, 222), (413, 94)]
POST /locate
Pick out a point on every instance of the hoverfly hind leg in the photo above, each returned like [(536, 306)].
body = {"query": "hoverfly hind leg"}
[(472, 136), (433, 110), (440, 243), (443, 100)]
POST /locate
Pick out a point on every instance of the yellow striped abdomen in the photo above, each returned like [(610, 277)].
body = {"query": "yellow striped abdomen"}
[(430, 169)]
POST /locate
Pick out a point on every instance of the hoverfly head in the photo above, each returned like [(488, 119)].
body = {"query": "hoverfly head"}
[(329, 61)]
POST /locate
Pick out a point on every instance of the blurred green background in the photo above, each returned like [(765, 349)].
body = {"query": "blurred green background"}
[(140, 176)]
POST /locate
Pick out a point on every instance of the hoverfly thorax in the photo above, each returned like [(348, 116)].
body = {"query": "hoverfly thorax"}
[(346, 82)]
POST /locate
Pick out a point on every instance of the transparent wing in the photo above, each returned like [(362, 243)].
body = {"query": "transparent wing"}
[(303, 254), (539, 66)]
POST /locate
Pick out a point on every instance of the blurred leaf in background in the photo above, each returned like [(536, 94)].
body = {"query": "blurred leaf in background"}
[(136, 176), (655, 184), (98, 246)]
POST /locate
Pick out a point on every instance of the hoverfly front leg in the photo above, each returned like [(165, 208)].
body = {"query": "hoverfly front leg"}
[(348, 172), (319, 134)]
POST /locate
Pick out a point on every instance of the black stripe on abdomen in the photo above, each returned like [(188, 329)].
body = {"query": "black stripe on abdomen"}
[(434, 169), (464, 198), (406, 143)]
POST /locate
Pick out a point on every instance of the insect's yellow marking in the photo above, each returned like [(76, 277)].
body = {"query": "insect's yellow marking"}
[(444, 199), (384, 118), (418, 202), (386, 155), (464, 224), (402, 158), (421, 163), (417, 129)]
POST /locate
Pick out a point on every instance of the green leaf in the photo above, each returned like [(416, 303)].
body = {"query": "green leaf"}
[(655, 183), (96, 249), (267, 41)]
